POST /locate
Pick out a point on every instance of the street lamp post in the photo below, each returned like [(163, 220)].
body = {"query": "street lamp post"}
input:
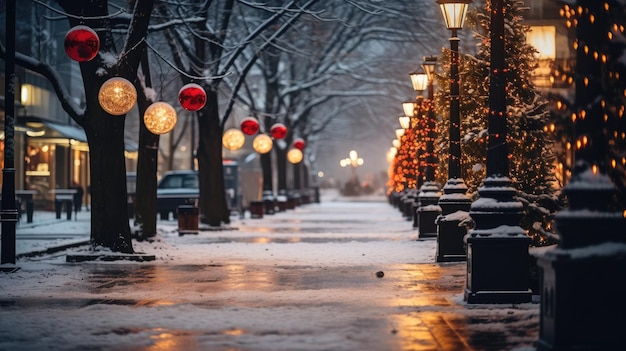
[(497, 247), (8, 212), (450, 233), (413, 109), (353, 160), (427, 209)]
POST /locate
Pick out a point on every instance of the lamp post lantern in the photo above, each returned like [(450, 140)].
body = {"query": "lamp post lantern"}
[(449, 233), (497, 247)]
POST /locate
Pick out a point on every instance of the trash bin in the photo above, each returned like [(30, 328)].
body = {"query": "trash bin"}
[(188, 219), (257, 208)]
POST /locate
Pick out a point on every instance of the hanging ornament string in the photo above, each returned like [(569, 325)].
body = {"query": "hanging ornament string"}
[(181, 71)]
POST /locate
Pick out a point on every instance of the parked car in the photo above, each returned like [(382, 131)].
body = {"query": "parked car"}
[(174, 189), (182, 188)]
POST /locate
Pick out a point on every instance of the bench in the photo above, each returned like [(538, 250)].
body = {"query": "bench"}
[(64, 197), (26, 198)]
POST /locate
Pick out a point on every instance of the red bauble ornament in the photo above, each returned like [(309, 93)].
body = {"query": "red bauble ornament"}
[(192, 97), (81, 43), (249, 126), (299, 144), (278, 131)]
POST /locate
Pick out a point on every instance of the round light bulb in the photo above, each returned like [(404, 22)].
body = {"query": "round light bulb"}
[(160, 118), (294, 156), (233, 139), (262, 143), (117, 96)]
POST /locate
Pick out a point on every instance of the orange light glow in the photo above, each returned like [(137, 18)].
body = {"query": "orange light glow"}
[(594, 169)]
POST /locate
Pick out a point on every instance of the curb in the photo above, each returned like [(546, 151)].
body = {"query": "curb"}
[(53, 249)]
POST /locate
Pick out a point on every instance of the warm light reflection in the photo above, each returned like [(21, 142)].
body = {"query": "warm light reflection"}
[(172, 340), (234, 332)]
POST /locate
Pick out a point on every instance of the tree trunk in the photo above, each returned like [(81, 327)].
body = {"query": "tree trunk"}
[(105, 133), (147, 164), (213, 206), (281, 168), (109, 207)]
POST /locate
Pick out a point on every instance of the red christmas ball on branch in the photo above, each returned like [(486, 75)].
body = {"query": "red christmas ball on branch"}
[(81, 43), (249, 126), (192, 97), (299, 144), (278, 131)]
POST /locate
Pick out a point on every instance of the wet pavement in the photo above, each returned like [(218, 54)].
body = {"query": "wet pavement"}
[(260, 288)]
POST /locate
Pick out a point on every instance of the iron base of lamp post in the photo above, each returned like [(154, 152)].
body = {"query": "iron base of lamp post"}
[(583, 299), (408, 205), (269, 202), (454, 208), (450, 244), (497, 269), (428, 210), (581, 281), (497, 247)]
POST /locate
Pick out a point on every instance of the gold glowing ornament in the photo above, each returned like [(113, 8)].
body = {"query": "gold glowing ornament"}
[(233, 139), (294, 156), (117, 96), (160, 118), (262, 143)]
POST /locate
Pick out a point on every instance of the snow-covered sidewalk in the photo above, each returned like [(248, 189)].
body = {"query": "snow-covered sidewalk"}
[(340, 275)]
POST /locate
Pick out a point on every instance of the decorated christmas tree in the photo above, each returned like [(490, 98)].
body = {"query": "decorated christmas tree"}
[(532, 162), (611, 52)]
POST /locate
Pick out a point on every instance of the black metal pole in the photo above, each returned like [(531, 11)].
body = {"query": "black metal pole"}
[(431, 160), (450, 245), (497, 151), (497, 247), (454, 162), (8, 214)]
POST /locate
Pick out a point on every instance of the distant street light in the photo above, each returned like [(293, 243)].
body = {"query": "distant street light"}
[(354, 160)]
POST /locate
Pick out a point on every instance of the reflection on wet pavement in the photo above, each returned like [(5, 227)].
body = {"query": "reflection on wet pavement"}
[(417, 306)]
